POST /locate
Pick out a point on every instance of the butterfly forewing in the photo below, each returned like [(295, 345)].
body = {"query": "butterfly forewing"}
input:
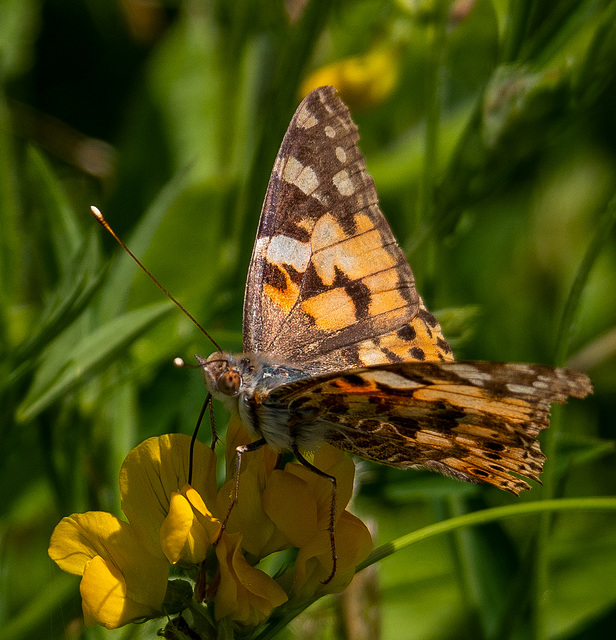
[(328, 286)]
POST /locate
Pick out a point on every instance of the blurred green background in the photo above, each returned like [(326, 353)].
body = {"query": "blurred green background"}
[(490, 130)]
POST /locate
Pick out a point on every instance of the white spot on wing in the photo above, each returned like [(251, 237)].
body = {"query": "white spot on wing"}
[(304, 178), (520, 388), (305, 119), (325, 102), (526, 368), (330, 132), (391, 379), (472, 374), (370, 353), (291, 169), (341, 154), (285, 250), (343, 183)]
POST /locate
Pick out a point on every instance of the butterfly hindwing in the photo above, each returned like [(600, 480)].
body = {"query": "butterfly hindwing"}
[(328, 286), (477, 421)]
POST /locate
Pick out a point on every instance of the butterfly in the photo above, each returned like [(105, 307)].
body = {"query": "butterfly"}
[(339, 347)]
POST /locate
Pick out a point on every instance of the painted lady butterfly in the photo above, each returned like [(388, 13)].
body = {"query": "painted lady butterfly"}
[(339, 347)]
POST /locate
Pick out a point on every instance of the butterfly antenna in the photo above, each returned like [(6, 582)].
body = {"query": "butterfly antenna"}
[(99, 216)]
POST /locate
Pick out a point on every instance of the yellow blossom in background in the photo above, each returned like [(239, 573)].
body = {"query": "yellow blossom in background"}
[(362, 81)]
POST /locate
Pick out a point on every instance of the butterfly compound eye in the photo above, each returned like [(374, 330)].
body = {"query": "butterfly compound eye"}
[(229, 382)]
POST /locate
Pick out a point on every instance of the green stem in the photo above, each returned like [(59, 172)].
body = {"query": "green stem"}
[(567, 322), (485, 516), (274, 625)]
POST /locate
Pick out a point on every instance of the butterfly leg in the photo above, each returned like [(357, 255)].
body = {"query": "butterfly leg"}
[(332, 512), (239, 452), (208, 402), (215, 437), (203, 592)]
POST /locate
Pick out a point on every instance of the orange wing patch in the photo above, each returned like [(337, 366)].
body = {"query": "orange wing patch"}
[(421, 340)]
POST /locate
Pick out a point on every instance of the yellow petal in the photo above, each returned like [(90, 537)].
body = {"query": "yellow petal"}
[(314, 560), (77, 539), (175, 533), (259, 535), (189, 528), (290, 503), (237, 435), (196, 501), (122, 579), (152, 472), (333, 462), (245, 595), (105, 600), (248, 516)]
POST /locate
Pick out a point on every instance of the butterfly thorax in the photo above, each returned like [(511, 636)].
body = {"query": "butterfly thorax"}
[(242, 382)]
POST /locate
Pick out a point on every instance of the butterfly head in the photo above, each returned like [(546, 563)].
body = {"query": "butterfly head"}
[(222, 376), (226, 375)]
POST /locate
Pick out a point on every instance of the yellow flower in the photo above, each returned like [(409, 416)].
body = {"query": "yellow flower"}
[(299, 501), (278, 509), (153, 473), (125, 566), (260, 537), (245, 595), (313, 562), (363, 81), (121, 581)]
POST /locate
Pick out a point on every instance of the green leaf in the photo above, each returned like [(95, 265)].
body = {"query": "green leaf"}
[(64, 367)]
